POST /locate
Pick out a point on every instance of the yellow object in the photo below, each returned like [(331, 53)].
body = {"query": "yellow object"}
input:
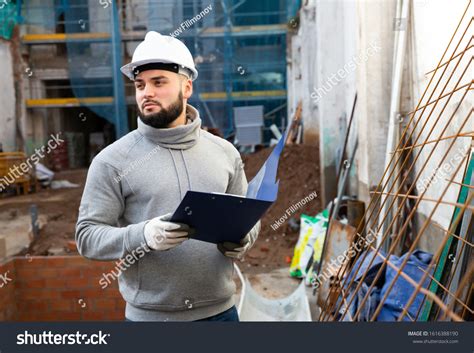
[(8, 160)]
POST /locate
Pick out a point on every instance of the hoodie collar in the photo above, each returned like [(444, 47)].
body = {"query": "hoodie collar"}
[(181, 137)]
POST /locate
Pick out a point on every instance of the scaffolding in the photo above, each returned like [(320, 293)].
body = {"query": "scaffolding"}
[(239, 49)]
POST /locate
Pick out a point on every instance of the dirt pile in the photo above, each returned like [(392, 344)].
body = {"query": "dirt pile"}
[(299, 174)]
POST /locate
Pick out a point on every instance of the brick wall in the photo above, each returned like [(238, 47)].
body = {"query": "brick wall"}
[(8, 307), (58, 288)]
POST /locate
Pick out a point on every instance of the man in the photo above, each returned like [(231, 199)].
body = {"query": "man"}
[(135, 184)]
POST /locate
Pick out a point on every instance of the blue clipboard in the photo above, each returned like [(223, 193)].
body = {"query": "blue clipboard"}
[(220, 217)]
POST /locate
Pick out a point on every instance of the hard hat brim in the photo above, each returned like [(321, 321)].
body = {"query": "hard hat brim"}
[(127, 69)]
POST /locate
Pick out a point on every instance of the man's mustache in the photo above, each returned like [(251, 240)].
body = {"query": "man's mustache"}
[(154, 102)]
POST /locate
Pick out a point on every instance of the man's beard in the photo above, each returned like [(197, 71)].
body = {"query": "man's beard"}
[(164, 117)]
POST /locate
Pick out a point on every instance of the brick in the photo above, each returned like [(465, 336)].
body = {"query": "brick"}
[(60, 304), (29, 316), (33, 305), (37, 294), (71, 316), (61, 316), (70, 272), (94, 282), (104, 304), (96, 272), (55, 261), (55, 283), (116, 316), (77, 261), (82, 304), (6, 298), (120, 304), (47, 273), (112, 291), (93, 293), (77, 283), (34, 283), (11, 313), (26, 274), (71, 294), (22, 265), (93, 316)]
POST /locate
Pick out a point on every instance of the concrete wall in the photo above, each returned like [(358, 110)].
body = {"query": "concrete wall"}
[(321, 61), (7, 98), (301, 72), (375, 30)]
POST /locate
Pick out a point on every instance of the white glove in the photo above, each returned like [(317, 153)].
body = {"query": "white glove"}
[(160, 234), (237, 251)]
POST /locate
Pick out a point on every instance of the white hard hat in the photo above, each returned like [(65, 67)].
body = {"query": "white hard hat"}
[(159, 49)]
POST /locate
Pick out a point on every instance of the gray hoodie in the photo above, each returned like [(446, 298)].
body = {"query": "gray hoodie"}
[(146, 174)]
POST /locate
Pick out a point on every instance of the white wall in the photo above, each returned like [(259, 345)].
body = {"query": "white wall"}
[(434, 24)]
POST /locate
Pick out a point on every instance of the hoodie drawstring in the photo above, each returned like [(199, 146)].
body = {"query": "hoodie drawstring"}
[(177, 175), (186, 168)]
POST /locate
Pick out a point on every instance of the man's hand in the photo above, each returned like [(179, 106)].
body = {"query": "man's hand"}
[(160, 234), (237, 251)]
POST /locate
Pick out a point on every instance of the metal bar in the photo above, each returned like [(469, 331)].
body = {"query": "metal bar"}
[(441, 97), (445, 63), (346, 139), (462, 184), (454, 235), (456, 204), (464, 134)]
